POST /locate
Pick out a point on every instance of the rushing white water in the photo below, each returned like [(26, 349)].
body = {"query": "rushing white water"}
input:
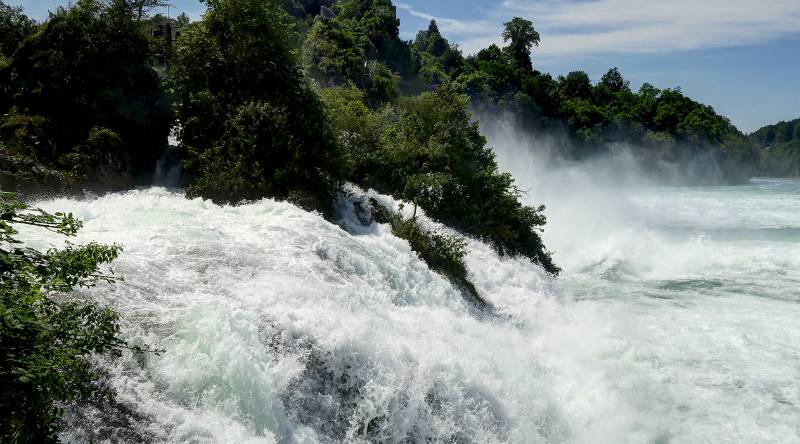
[(675, 320)]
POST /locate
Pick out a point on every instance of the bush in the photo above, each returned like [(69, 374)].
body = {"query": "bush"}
[(443, 253), (47, 336)]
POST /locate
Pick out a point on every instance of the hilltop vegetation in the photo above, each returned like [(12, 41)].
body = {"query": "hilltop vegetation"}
[(664, 125), (781, 148), (252, 126)]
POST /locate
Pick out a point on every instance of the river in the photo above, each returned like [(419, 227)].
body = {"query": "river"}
[(675, 319)]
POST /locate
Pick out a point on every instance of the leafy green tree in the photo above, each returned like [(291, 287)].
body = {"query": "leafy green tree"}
[(47, 333), (141, 8), (431, 41), (357, 128), (576, 85), (14, 27), (614, 82), (523, 38), (380, 84), (437, 59), (332, 54), (780, 148), (182, 19), (251, 125), (376, 21), (441, 162), (427, 150), (611, 86), (87, 69)]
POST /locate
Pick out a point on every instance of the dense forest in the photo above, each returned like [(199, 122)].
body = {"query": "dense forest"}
[(289, 100)]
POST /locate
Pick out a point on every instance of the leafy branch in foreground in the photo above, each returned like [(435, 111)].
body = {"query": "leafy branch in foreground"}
[(47, 336)]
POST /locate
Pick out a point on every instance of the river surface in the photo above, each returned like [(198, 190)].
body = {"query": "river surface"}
[(676, 319)]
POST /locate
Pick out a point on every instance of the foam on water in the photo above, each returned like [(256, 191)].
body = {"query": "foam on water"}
[(281, 327)]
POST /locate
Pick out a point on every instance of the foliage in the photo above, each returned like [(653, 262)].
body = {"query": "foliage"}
[(443, 253), (14, 27), (251, 125), (376, 24), (436, 58), (86, 68), (182, 19), (428, 151), (666, 123), (334, 56), (523, 38), (48, 336), (141, 8), (780, 145)]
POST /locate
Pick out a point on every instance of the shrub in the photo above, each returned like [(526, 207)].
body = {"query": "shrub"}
[(443, 253), (47, 335)]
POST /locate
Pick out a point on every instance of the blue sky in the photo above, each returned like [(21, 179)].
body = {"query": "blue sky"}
[(740, 56)]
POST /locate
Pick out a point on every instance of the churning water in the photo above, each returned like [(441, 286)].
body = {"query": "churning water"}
[(676, 319)]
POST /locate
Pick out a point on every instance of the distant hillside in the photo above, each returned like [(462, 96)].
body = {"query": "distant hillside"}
[(781, 148), (358, 42)]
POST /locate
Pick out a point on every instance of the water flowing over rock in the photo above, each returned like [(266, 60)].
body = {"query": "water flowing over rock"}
[(279, 326)]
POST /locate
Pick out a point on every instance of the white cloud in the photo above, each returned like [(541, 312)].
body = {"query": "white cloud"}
[(633, 26), (454, 28)]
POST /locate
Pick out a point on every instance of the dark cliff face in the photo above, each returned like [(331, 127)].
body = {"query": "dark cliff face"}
[(29, 178)]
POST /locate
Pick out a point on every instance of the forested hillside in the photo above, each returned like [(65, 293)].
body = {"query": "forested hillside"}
[(781, 148), (356, 41)]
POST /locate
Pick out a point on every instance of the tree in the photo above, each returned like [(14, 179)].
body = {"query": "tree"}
[(252, 126), (437, 59), (613, 82), (332, 54), (576, 85), (523, 38), (182, 19), (14, 27), (141, 8), (376, 22), (87, 71), (48, 334), (430, 152)]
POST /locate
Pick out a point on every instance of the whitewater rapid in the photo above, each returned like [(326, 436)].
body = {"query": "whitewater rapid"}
[(675, 323)]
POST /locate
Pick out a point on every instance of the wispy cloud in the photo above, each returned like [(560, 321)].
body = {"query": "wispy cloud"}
[(632, 26), (452, 27)]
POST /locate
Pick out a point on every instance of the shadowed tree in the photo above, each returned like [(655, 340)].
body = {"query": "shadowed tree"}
[(141, 8), (14, 27)]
